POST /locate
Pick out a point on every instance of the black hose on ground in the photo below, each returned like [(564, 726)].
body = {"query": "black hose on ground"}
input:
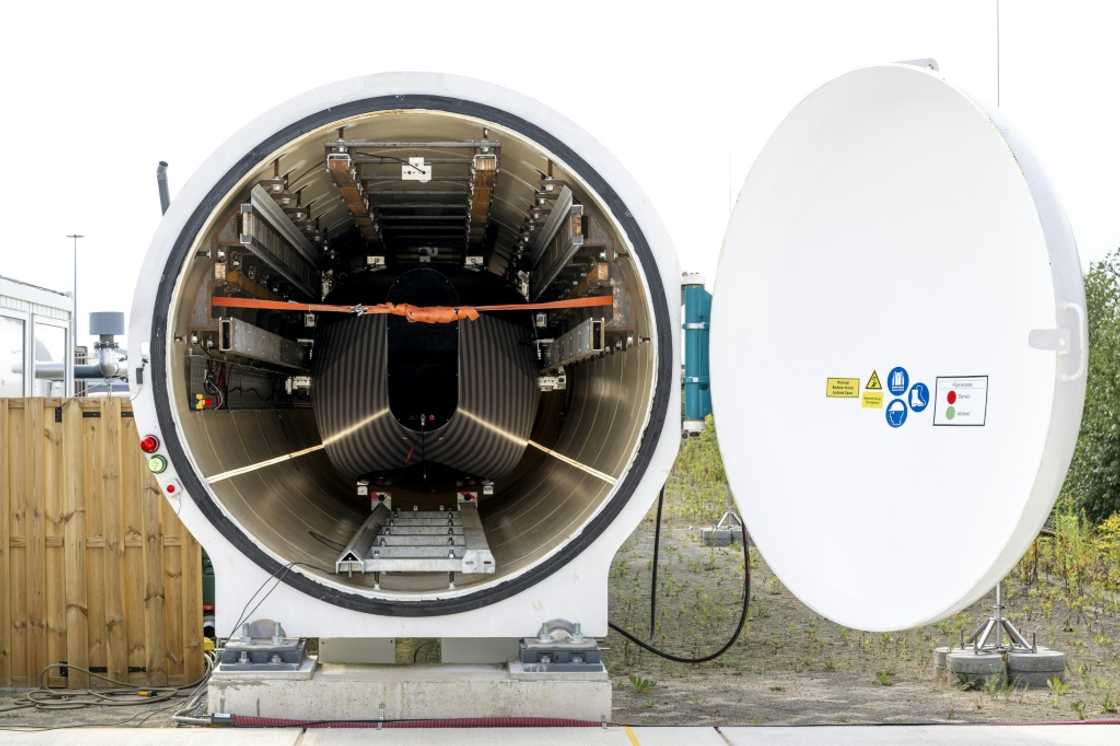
[(653, 572), (653, 601)]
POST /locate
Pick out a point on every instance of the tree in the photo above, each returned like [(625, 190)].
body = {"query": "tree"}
[(1093, 482)]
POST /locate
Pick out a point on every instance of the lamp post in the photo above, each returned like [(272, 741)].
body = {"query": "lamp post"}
[(73, 318)]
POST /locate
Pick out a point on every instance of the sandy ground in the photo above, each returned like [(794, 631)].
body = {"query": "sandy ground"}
[(792, 667), (784, 698)]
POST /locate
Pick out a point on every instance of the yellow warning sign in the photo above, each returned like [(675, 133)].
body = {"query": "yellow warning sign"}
[(842, 388), (873, 382), (872, 399)]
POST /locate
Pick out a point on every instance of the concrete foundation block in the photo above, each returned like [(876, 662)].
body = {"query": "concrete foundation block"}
[(967, 667), (376, 692), (720, 537), (1044, 660), (1018, 668), (1033, 679), (305, 671), (1035, 669), (940, 659), (941, 664), (966, 661)]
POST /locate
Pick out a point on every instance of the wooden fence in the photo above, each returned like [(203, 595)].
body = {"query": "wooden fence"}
[(95, 568)]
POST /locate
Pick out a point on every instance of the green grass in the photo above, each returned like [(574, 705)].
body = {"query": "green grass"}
[(641, 685)]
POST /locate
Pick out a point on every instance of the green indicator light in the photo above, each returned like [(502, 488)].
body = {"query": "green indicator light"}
[(950, 413), (157, 464)]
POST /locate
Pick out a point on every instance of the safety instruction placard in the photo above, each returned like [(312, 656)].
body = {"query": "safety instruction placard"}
[(417, 169), (872, 399), (842, 388), (961, 401)]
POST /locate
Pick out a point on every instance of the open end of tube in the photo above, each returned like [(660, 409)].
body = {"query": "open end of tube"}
[(332, 437)]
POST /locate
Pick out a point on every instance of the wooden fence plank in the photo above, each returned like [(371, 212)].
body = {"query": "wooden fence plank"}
[(173, 594), (115, 631), (5, 549), (55, 584), (153, 587), (92, 433), (135, 479), (36, 541), (77, 608), (190, 606), (18, 542)]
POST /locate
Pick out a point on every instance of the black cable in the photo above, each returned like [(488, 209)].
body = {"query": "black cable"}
[(392, 158), (125, 694), (738, 627), (278, 577), (653, 572), (252, 391)]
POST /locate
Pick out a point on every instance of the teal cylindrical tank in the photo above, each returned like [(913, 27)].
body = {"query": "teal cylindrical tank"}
[(697, 317)]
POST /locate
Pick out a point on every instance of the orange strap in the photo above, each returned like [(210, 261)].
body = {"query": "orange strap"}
[(416, 314)]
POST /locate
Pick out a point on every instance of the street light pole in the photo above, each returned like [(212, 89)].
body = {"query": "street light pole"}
[(73, 317)]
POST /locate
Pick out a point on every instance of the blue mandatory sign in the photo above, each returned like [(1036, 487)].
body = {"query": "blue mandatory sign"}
[(919, 397), (898, 380), (896, 413)]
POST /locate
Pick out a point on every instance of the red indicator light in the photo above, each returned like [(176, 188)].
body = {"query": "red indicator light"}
[(149, 444), (952, 397), (170, 489)]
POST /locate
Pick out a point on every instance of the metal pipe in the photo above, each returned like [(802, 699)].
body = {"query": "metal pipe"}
[(161, 180), (414, 144), (69, 353), (110, 364)]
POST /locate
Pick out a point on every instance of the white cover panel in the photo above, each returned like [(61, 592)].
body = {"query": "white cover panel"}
[(892, 221)]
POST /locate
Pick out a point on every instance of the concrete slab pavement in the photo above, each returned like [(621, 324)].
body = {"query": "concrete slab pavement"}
[(902, 735)]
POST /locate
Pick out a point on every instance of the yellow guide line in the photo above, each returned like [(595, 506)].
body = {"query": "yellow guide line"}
[(351, 429), (345, 432), (262, 464), (555, 454), (630, 734), (572, 462)]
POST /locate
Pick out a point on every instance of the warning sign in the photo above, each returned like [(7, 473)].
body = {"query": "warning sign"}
[(873, 382), (872, 399), (842, 388)]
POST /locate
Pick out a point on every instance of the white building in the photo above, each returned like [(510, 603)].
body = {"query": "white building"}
[(35, 335)]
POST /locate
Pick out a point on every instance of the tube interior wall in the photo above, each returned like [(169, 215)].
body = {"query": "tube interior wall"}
[(304, 508)]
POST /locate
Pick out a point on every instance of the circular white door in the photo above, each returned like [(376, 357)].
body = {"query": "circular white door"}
[(898, 349)]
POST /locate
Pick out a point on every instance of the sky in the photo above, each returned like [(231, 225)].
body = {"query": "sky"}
[(96, 94)]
